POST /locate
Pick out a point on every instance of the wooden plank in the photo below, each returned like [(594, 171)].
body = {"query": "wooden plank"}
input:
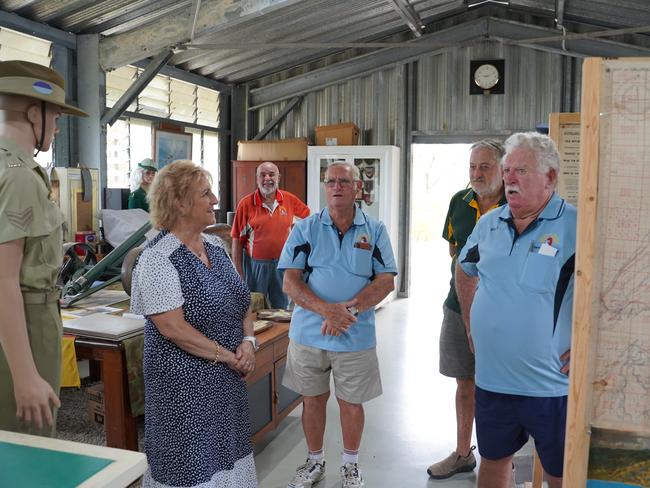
[(578, 429)]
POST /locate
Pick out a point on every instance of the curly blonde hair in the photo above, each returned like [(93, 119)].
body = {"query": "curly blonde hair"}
[(172, 185)]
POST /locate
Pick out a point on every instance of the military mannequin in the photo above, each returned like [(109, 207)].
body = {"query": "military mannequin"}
[(32, 98)]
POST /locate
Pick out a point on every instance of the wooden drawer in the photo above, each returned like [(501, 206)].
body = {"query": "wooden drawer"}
[(280, 348), (264, 356)]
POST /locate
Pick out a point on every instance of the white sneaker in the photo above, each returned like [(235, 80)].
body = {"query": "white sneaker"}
[(308, 474), (351, 476)]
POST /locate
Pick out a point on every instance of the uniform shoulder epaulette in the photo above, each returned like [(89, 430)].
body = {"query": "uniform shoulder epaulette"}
[(12, 160)]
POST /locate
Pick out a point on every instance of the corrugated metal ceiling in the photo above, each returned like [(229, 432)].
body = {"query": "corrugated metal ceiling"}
[(250, 39)]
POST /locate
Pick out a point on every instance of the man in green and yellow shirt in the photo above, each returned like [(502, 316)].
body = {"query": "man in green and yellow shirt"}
[(456, 357)]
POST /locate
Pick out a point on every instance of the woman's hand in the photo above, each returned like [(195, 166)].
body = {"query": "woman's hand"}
[(245, 359)]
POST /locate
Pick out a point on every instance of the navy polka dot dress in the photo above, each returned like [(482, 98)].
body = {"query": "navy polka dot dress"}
[(197, 424)]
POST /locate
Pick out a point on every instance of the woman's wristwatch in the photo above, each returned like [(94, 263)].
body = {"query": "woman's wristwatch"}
[(253, 341)]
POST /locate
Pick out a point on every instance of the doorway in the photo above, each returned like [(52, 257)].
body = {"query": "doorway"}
[(439, 171)]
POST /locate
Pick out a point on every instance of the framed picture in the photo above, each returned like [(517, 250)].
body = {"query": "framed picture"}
[(170, 146)]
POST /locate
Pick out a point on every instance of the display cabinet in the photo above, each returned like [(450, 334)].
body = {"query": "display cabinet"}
[(379, 192)]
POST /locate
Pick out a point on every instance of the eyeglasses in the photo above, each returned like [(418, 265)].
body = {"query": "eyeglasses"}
[(331, 183)]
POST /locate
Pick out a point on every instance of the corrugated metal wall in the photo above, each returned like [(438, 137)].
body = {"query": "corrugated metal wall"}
[(372, 102), (535, 85)]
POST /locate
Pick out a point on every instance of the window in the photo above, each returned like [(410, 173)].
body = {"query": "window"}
[(130, 140), (165, 97)]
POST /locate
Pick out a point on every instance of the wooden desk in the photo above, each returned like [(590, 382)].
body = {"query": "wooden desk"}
[(29, 460), (269, 401), (119, 422)]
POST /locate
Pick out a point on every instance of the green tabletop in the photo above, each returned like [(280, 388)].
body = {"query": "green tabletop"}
[(24, 466)]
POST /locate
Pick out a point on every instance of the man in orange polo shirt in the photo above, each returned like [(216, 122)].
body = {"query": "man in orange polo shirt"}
[(262, 224)]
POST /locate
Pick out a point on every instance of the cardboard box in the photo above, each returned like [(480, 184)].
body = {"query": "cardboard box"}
[(95, 399), (346, 134), (278, 150)]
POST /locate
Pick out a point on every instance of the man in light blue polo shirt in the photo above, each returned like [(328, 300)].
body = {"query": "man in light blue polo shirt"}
[(516, 274), (338, 264)]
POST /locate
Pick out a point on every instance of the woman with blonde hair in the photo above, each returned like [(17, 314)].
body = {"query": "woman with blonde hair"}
[(199, 344)]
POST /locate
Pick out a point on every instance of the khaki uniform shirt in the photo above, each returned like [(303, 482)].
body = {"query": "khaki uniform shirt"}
[(28, 211)]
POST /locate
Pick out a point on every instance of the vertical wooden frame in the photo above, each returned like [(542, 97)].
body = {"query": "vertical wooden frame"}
[(582, 353)]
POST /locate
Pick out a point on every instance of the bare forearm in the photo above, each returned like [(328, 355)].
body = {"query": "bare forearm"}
[(173, 326), (13, 332), (452, 250), (236, 256), (375, 292), (13, 326), (301, 294), (465, 289), (249, 326)]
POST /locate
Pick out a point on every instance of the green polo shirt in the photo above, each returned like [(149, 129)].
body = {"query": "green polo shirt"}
[(28, 211), (138, 199), (461, 218)]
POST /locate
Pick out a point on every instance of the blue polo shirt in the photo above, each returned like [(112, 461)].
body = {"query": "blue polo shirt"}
[(336, 270), (522, 311)]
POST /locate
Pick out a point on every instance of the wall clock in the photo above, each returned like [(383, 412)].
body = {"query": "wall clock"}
[(486, 77)]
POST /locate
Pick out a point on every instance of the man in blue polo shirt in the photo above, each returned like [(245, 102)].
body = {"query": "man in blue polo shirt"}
[(515, 274), (338, 264)]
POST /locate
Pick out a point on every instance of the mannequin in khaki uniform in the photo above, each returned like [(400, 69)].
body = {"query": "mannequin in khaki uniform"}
[(32, 98)]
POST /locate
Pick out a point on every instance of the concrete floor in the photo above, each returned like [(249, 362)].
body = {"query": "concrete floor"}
[(410, 426)]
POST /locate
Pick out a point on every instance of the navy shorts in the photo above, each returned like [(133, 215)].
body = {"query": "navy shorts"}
[(504, 422)]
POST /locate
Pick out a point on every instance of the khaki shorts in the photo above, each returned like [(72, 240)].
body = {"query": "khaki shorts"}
[(356, 374), (456, 358)]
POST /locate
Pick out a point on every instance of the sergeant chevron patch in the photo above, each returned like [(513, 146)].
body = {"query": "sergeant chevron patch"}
[(22, 219)]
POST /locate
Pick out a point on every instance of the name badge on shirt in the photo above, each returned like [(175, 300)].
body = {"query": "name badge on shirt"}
[(363, 242), (546, 250)]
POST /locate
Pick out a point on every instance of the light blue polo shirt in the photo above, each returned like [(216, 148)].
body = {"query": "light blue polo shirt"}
[(336, 270), (522, 312)]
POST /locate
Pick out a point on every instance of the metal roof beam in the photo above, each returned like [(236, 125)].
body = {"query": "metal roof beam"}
[(368, 63), (559, 12), (410, 16), (293, 103), (189, 77), (112, 114), (507, 31), (44, 31), (122, 49), (194, 15), (573, 44)]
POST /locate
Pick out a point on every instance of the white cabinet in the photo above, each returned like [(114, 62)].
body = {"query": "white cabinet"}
[(379, 168)]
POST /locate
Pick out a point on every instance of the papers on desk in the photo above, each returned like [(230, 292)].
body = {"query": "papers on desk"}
[(82, 312), (102, 298), (102, 326)]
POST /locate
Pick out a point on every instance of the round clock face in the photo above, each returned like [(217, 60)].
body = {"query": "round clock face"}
[(486, 76)]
